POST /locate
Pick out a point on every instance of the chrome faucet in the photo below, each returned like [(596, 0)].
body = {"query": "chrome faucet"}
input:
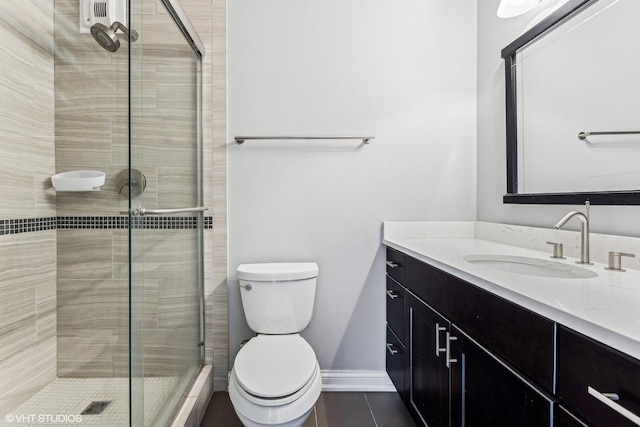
[(584, 233)]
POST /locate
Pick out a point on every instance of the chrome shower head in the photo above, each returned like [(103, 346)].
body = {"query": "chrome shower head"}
[(107, 37)]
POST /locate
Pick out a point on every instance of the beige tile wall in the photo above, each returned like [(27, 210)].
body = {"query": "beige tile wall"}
[(27, 315), (219, 308), (27, 109), (27, 260)]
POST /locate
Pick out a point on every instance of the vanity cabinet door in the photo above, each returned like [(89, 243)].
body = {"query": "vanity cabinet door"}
[(485, 391), (565, 418), (588, 372), (395, 308), (428, 373)]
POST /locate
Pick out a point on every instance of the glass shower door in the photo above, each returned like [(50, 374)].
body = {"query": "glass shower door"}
[(167, 221)]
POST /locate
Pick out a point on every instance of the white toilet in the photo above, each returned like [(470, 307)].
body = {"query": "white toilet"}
[(275, 380)]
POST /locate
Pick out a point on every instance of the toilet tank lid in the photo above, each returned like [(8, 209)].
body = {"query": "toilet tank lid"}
[(281, 271)]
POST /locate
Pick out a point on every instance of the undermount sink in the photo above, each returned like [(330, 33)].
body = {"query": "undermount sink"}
[(530, 266)]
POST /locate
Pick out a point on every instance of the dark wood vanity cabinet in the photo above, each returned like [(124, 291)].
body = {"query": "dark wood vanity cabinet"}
[(471, 358), (451, 379), (587, 370)]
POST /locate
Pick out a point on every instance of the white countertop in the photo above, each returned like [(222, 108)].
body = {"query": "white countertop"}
[(606, 307)]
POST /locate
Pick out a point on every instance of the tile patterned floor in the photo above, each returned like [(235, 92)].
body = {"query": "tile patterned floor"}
[(62, 401), (344, 409)]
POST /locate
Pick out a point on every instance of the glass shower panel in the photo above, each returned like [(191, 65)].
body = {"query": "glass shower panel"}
[(91, 133), (165, 246)]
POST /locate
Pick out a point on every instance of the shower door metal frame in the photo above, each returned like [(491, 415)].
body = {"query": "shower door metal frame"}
[(182, 20), (179, 16)]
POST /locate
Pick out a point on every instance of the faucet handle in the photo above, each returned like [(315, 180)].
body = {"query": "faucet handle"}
[(557, 250), (615, 261)]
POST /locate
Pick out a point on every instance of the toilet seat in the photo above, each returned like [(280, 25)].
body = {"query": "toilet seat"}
[(275, 367), (287, 412), (275, 401)]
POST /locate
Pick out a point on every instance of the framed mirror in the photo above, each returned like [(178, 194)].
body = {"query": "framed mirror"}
[(573, 107)]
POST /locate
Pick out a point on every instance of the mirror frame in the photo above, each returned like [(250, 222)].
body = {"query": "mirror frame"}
[(548, 24)]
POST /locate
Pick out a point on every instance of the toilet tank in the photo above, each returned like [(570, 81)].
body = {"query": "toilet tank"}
[(278, 298)]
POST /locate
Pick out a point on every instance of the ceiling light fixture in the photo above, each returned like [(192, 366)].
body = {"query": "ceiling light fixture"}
[(511, 8)]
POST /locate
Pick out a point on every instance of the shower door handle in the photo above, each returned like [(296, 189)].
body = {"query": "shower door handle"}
[(144, 212)]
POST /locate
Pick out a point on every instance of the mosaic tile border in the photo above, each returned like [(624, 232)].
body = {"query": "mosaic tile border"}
[(29, 225)]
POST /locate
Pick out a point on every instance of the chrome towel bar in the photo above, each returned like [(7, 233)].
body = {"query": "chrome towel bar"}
[(241, 139), (584, 135)]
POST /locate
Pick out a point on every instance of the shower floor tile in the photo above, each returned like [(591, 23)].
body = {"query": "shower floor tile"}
[(62, 401)]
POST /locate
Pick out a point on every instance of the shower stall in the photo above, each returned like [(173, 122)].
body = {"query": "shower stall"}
[(101, 302)]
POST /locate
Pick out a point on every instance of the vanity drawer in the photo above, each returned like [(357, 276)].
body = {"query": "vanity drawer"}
[(519, 336), (396, 362), (395, 308), (395, 264), (584, 363)]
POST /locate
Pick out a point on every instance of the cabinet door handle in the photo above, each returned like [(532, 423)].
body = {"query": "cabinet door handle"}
[(391, 350), (448, 359), (391, 295), (438, 349), (392, 264), (608, 399)]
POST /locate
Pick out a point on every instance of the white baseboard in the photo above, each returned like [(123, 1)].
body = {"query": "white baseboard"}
[(356, 381)]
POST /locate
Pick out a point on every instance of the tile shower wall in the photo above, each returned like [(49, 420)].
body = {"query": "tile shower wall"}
[(28, 267)]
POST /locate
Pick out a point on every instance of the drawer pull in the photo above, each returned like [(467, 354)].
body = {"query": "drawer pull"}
[(391, 295), (392, 264), (608, 399), (391, 350), (438, 349)]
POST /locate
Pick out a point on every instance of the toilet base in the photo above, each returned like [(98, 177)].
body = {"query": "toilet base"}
[(298, 422)]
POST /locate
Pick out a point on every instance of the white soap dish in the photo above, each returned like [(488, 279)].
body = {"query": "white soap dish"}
[(78, 181)]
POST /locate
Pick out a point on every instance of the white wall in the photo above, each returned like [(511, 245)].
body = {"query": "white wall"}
[(493, 35), (402, 71)]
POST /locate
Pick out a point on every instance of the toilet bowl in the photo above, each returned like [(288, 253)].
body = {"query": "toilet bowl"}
[(276, 379)]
